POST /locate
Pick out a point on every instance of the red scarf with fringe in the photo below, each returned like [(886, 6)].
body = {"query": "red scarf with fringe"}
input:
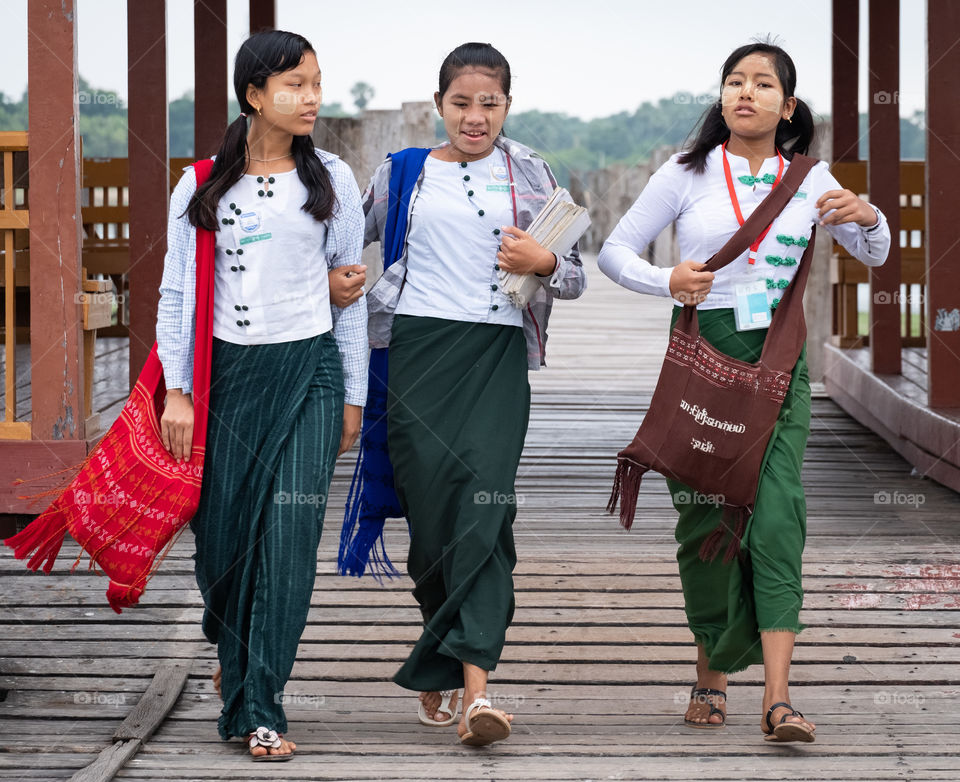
[(131, 497)]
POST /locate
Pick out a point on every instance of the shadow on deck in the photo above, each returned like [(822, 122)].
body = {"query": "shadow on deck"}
[(598, 662)]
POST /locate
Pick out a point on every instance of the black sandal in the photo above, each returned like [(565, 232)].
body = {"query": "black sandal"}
[(704, 693), (787, 731)]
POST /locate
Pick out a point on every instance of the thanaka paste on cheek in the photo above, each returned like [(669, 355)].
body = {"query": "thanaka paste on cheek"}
[(285, 102)]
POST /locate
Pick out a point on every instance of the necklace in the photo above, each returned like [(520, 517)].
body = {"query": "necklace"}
[(270, 159)]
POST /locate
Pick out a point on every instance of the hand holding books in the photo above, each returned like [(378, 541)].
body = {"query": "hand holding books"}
[(521, 254), (556, 229)]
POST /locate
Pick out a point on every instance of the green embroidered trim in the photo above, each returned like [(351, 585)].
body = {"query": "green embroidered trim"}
[(767, 179), (776, 260), (781, 284), (774, 303), (800, 241)]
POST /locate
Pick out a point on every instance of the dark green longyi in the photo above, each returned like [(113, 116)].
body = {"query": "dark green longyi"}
[(728, 605), (458, 405)]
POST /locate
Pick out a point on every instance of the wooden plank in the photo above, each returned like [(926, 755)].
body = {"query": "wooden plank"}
[(599, 660), (154, 704), (108, 762)]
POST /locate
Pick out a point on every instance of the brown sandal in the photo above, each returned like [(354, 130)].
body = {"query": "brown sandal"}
[(787, 731)]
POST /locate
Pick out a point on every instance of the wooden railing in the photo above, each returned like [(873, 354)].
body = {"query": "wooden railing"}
[(14, 224), (106, 214), (846, 273), (105, 255)]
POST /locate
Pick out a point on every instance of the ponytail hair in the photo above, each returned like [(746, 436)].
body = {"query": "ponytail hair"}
[(791, 137), (474, 55), (260, 56)]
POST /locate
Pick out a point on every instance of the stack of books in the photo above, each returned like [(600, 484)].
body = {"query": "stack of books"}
[(557, 228)]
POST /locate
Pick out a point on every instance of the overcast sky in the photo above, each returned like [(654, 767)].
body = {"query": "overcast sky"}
[(587, 58)]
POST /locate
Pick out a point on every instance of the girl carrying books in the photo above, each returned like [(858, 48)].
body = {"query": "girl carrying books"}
[(457, 396), (288, 375), (745, 610)]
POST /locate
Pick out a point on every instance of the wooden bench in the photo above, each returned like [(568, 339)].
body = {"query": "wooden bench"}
[(105, 254)]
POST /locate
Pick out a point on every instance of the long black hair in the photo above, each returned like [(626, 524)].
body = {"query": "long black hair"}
[(262, 55), (474, 55), (791, 137)]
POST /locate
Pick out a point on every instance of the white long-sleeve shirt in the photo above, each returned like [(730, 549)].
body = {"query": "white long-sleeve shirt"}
[(701, 207), (296, 305)]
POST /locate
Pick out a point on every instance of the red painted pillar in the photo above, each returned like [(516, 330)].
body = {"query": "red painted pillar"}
[(149, 171), (883, 180), (943, 173), (209, 75), (263, 15), (56, 332), (845, 63)]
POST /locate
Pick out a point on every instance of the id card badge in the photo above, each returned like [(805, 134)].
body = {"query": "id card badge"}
[(752, 309)]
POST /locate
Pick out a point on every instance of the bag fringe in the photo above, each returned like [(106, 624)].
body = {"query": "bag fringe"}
[(121, 596), (42, 537), (734, 522), (626, 490)]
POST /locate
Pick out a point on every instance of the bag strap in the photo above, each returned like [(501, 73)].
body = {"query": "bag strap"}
[(764, 214)]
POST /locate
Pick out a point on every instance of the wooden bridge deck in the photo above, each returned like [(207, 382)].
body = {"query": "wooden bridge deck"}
[(599, 660)]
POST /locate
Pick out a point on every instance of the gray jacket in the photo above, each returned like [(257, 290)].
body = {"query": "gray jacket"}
[(533, 182)]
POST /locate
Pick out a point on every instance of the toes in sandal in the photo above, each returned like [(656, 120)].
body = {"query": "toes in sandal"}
[(444, 708), (269, 739), (787, 731), (484, 724), (701, 695)]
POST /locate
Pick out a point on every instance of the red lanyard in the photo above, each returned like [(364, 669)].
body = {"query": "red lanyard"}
[(736, 204)]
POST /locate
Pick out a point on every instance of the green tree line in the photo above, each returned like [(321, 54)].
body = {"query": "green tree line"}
[(568, 143)]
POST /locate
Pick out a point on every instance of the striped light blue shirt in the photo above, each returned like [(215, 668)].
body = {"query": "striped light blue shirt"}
[(176, 325)]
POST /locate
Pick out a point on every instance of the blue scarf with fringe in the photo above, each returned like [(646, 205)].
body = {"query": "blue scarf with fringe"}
[(372, 498)]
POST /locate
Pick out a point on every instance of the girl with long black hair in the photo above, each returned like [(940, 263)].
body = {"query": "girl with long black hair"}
[(288, 377), (745, 610)]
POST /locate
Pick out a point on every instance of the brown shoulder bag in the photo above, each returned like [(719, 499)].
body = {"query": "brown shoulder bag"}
[(711, 415)]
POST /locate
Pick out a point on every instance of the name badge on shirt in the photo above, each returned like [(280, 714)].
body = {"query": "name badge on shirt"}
[(249, 222), (752, 309)]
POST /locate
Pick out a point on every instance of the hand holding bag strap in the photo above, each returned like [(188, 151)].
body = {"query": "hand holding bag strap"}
[(764, 214)]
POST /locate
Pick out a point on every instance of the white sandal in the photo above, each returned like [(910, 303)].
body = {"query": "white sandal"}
[(268, 739), (444, 707), (484, 724)]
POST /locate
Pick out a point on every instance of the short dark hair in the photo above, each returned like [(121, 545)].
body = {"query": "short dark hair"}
[(474, 55)]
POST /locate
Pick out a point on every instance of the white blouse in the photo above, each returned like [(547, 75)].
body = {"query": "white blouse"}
[(271, 265), (701, 207), (453, 240)]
